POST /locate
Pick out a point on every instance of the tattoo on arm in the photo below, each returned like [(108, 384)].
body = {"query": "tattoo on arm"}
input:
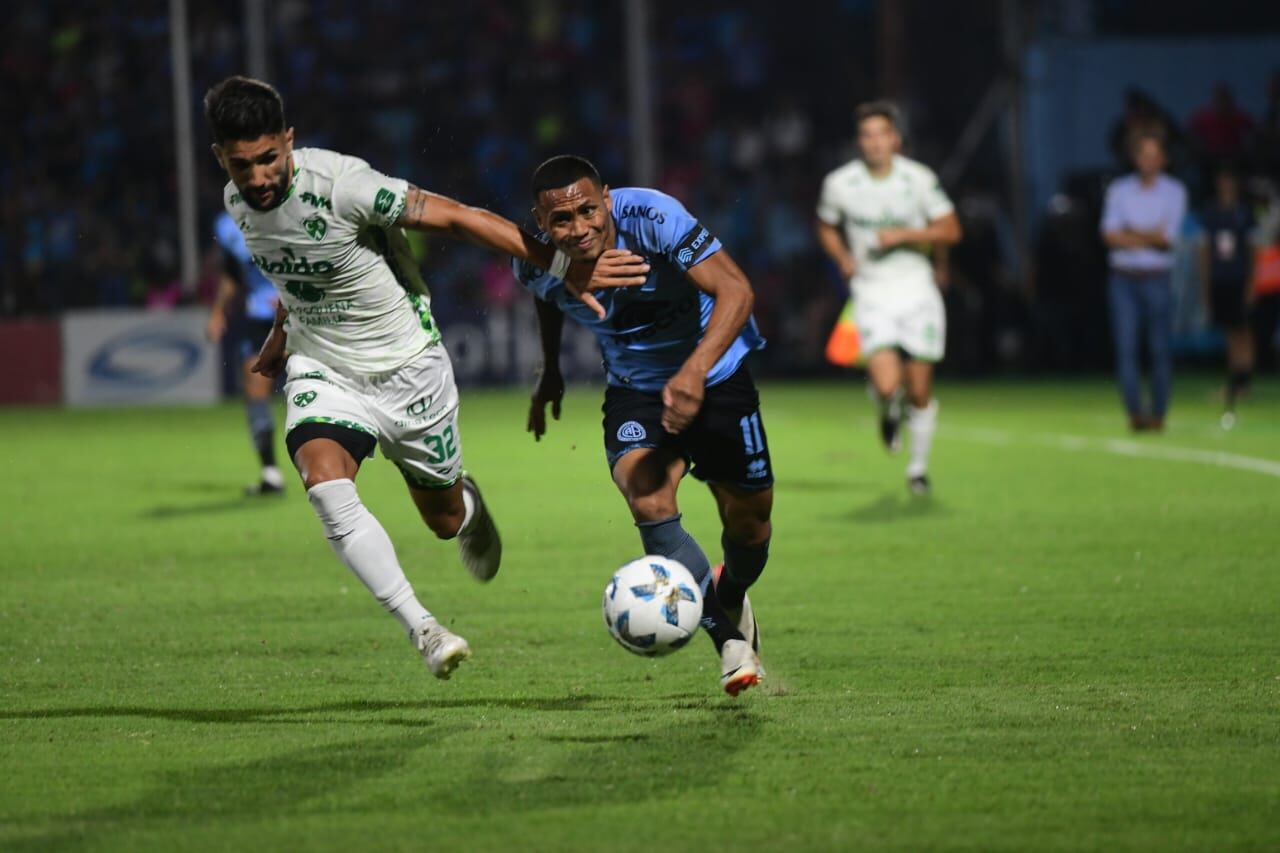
[(415, 208)]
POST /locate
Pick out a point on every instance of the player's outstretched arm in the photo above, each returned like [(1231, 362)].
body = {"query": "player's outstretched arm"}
[(550, 387), (427, 211), (719, 277)]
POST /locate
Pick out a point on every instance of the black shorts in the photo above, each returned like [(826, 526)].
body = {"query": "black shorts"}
[(726, 442), (1226, 304)]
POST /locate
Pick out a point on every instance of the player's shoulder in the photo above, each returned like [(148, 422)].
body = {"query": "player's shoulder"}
[(232, 202), (643, 204), (852, 172), (325, 164), (916, 171)]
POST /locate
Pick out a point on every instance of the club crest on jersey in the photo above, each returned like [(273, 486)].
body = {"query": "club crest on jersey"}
[(306, 398), (631, 431), (316, 228)]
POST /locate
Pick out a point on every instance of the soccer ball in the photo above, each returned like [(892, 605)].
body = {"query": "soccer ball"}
[(652, 606)]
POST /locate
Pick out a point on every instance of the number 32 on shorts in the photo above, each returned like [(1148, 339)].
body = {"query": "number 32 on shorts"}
[(442, 446)]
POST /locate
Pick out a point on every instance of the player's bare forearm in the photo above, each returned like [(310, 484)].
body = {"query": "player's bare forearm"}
[(722, 279), (832, 243), (943, 231), (438, 214)]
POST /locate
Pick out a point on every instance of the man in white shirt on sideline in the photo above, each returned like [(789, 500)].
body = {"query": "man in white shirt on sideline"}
[(879, 219)]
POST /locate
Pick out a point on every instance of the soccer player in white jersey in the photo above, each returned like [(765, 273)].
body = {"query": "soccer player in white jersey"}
[(879, 218), (354, 334)]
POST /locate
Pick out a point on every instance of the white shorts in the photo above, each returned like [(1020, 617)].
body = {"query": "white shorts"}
[(412, 412), (916, 323)]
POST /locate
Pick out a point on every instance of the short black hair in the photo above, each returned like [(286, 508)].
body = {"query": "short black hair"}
[(241, 108), (561, 171), (886, 110)]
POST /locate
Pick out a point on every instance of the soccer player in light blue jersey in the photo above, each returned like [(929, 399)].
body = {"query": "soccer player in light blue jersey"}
[(679, 399), (259, 304)]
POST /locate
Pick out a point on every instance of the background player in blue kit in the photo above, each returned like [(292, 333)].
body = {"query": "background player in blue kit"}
[(679, 397), (240, 275)]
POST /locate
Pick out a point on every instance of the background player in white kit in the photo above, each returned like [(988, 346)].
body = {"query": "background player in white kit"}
[(879, 217), (365, 365)]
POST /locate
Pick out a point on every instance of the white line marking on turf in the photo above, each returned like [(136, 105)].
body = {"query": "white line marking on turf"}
[(1122, 447)]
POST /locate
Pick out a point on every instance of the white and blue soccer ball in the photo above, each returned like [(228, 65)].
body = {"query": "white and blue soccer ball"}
[(652, 606)]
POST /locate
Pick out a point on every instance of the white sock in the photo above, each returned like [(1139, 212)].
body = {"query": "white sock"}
[(921, 423), (469, 505), (364, 546), (272, 476)]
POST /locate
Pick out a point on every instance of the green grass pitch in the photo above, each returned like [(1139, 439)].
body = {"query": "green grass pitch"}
[(1072, 645)]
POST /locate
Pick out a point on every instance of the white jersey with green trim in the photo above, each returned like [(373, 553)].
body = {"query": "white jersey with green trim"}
[(910, 196), (344, 271)]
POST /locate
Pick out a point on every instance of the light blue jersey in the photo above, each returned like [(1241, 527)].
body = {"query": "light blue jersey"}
[(649, 331), (259, 293)]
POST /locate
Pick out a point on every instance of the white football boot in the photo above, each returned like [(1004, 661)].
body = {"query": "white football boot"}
[(739, 667), (479, 545), (743, 617), (441, 649)]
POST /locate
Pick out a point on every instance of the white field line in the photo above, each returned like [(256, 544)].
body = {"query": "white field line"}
[(1119, 447)]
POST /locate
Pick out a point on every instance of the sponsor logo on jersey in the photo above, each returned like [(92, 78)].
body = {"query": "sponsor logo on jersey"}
[(236, 198), (418, 407), (316, 227), (642, 211), (383, 201), (317, 201), (290, 264), (632, 431), (304, 291), (693, 245), (306, 398), (757, 469)]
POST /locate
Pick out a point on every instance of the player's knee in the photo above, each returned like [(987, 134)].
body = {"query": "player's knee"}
[(314, 475), (651, 507), (751, 532), (920, 398)]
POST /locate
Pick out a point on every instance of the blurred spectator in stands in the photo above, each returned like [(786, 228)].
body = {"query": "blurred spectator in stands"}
[(1268, 138), (1220, 130), (1226, 271), (1141, 219)]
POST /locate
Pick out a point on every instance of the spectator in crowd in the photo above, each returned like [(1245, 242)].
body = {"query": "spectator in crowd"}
[(1226, 270), (1142, 216), (1220, 130)]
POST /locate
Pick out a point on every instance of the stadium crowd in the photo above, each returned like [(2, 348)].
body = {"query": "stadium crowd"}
[(465, 99)]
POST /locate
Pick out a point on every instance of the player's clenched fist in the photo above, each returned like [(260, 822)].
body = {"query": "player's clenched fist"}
[(681, 400)]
